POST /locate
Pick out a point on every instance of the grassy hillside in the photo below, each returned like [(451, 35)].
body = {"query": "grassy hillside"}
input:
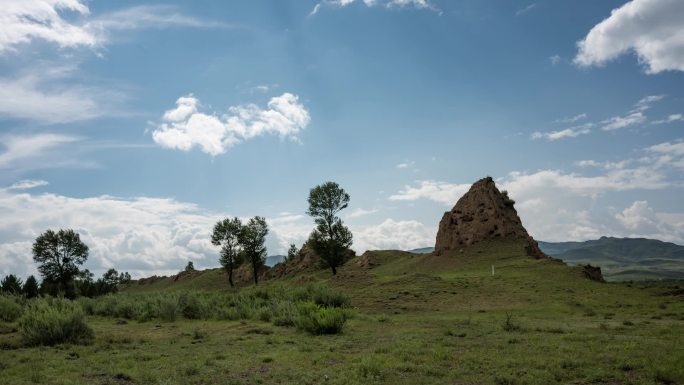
[(417, 319), (623, 259)]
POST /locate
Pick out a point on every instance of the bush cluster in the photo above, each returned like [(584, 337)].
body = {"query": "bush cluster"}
[(313, 308), (10, 309), (51, 321)]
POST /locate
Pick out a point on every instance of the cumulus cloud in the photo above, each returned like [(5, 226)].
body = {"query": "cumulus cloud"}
[(641, 220), (442, 192), (147, 235), (393, 234), (570, 132), (652, 29), (184, 127), (556, 205)]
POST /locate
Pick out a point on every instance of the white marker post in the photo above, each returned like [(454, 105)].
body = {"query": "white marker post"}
[(492, 270)]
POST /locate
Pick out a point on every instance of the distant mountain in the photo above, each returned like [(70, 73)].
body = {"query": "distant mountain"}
[(422, 250), (623, 259)]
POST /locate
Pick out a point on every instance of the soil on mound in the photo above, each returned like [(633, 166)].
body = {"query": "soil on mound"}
[(305, 260), (482, 213)]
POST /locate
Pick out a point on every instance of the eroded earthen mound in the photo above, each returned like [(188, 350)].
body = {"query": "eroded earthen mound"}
[(305, 260), (482, 213)]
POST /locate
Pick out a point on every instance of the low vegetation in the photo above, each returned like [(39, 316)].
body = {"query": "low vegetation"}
[(407, 319)]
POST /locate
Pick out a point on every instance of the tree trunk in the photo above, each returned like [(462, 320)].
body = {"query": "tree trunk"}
[(334, 269), (230, 275), (255, 267)]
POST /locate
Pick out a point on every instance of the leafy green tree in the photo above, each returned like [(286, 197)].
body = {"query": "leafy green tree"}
[(59, 255), (227, 235), (124, 278), (109, 281), (252, 238), (292, 252), (11, 284), (190, 266), (331, 237), (30, 288)]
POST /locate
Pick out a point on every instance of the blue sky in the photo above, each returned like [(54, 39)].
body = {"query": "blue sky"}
[(140, 124)]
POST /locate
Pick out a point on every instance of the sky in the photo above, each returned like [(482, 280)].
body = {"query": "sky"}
[(141, 124)]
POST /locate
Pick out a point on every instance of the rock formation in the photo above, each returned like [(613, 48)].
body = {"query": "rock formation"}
[(305, 260), (482, 213)]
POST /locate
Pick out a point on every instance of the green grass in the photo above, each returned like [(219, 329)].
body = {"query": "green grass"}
[(417, 319)]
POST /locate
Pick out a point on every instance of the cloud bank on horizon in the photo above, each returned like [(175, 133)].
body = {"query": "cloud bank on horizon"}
[(87, 123)]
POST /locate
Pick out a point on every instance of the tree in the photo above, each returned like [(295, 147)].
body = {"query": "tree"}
[(227, 235), (30, 288), (109, 282), (331, 237), (124, 278), (59, 255), (190, 266), (252, 238), (11, 285), (291, 252)]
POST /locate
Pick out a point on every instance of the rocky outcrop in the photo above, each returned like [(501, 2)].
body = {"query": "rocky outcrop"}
[(482, 213), (593, 273)]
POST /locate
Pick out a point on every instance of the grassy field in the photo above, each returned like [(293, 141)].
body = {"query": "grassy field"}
[(414, 319)]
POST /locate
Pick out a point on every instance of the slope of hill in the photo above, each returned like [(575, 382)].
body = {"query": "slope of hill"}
[(623, 259)]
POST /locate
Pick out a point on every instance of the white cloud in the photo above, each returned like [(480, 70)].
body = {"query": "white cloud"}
[(571, 132), (670, 118), (28, 184), (605, 165), (44, 96), (652, 29), (572, 119), (26, 20), (526, 9), (442, 192), (618, 122), (50, 20), (555, 59), (184, 127), (645, 103), (359, 212), (676, 148), (391, 234), (407, 164), (30, 147), (416, 4), (641, 220)]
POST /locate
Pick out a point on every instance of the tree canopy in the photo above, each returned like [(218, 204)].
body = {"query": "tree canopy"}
[(331, 237), (227, 235), (252, 238), (59, 255)]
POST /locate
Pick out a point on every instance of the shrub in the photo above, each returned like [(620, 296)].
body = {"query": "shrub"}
[(10, 310), (167, 309), (54, 321), (320, 320), (190, 306), (509, 325), (325, 297)]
